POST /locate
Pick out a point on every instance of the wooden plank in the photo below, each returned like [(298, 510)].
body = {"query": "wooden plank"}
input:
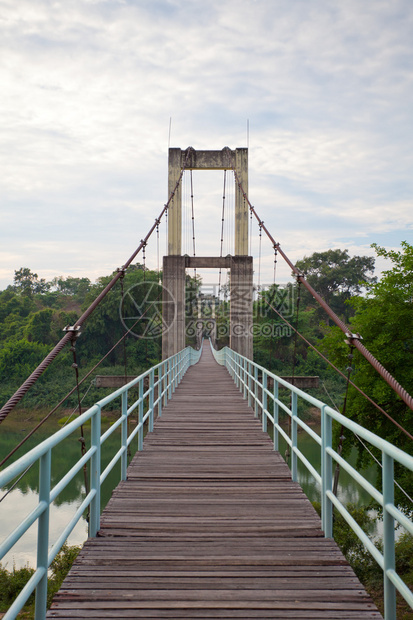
[(210, 525)]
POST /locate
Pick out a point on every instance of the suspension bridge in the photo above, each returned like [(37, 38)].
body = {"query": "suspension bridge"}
[(208, 521)]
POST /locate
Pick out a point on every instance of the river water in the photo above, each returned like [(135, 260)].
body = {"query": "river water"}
[(15, 504)]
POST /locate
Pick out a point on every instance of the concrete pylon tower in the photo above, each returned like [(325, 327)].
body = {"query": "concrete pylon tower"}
[(240, 265)]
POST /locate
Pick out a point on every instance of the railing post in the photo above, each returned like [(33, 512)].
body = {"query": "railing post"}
[(43, 535), (140, 411), (95, 467), (244, 377), (256, 391), (264, 401), (151, 399), (160, 391), (165, 383), (239, 370), (124, 433), (170, 376), (178, 368), (174, 372), (388, 537), (294, 471), (249, 384), (236, 370), (326, 473), (276, 415)]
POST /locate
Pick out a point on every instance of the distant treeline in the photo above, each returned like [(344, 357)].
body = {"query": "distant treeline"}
[(33, 314)]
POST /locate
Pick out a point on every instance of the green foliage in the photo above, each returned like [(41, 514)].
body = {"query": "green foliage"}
[(404, 557), (11, 584), (19, 358), (385, 320), (336, 277), (59, 569), (77, 288), (28, 283), (33, 315), (363, 564), (38, 327)]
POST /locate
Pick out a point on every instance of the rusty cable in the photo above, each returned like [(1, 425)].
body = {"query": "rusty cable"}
[(222, 232), (91, 371), (31, 380), (342, 374), (275, 265), (343, 412), (354, 339), (122, 311), (75, 333)]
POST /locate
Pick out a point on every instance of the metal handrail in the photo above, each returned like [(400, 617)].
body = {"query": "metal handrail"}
[(252, 380), (163, 379)]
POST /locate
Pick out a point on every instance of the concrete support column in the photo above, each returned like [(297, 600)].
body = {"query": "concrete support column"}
[(241, 324), (173, 305), (241, 204), (175, 207)]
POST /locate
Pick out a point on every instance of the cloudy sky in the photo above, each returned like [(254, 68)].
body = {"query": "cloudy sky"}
[(88, 88)]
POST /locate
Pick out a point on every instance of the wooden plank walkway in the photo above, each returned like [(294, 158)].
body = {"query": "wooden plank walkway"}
[(209, 525)]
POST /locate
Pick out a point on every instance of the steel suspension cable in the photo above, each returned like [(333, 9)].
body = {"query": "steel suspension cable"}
[(275, 265), (367, 448), (222, 231), (74, 389), (354, 339), (79, 408), (343, 412), (193, 221), (157, 248), (341, 373), (31, 380), (259, 259), (125, 359)]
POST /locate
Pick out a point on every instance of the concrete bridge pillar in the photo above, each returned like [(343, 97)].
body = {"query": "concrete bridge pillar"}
[(173, 314), (173, 305), (241, 321)]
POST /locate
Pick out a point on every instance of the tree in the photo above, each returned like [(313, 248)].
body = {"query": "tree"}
[(27, 283), (38, 328), (110, 320), (384, 318), (336, 277), (74, 287)]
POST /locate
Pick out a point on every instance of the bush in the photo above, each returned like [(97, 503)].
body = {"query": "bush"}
[(59, 569), (11, 583)]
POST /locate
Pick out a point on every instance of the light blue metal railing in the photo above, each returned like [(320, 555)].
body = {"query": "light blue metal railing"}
[(252, 381), (161, 381)]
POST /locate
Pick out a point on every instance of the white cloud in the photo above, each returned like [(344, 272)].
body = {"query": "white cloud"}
[(88, 89)]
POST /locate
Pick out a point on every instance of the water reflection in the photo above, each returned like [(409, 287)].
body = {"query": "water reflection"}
[(19, 500), (348, 491), (23, 498), (18, 505)]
